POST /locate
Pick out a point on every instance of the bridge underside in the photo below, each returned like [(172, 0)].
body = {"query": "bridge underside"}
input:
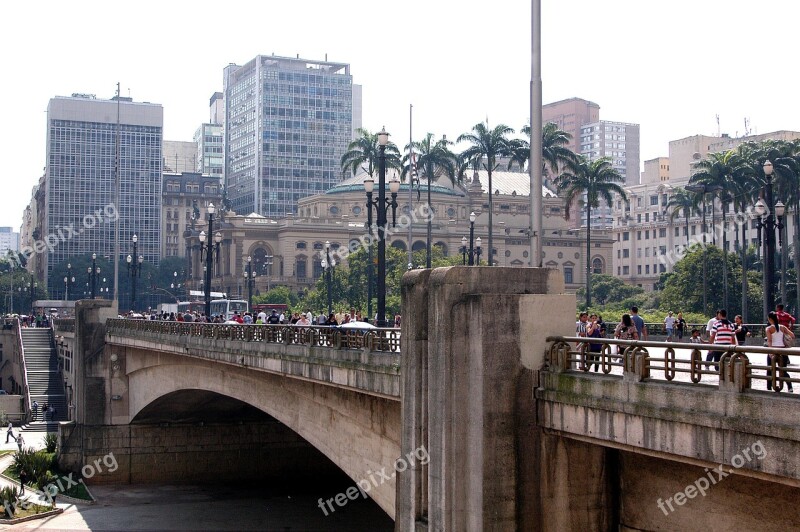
[(199, 406)]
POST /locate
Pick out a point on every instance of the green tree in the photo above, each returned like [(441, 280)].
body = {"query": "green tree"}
[(598, 180), (609, 290), (555, 153), (364, 153), (279, 295), (486, 146), (682, 202)]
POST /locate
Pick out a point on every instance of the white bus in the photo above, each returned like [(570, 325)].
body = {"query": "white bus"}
[(227, 307)]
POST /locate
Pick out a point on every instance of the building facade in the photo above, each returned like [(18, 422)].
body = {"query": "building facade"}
[(288, 251), (210, 148), (570, 115), (184, 201), (79, 183), (287, 123), (9, 240), (180, 156)]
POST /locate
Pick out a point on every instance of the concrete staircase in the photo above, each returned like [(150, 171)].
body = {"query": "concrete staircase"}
[(44, 378)]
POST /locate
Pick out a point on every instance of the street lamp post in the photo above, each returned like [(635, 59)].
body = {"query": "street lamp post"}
[(471, 239), (68, 281), (249, 277), (134, 269), (209, 249), (767, 212), (381, 206), (327, 267), (478, 251), (94, 271), (463, 249)]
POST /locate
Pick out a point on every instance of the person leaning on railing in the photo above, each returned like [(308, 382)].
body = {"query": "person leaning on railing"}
[(778, 336), (626, 330)]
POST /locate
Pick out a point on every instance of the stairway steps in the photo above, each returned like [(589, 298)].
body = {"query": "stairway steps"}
[(44, 378)]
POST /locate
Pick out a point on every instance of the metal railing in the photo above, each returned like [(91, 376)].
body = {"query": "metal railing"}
[(731, 368), (64, 324), (26, 402), (385, 340)]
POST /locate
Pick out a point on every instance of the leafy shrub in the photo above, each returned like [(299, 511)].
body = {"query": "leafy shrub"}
[(35, 463), (8, 498), (51, 442)]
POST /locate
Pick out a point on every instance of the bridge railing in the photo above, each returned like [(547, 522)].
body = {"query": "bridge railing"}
[(733, 368), (377, 339)]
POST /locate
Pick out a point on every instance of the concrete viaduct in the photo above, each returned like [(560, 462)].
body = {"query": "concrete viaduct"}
[(485, 402)]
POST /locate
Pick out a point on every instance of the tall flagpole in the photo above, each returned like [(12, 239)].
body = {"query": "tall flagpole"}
[(117, 207), (535, 166), (411, 170)]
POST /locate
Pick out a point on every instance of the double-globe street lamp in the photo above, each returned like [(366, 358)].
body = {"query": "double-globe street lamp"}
[(381, 207), (69, 280), (209, 249), (93, 271), (770, 217), (249, 277), (134, 269), (474, 252), (327, 267)]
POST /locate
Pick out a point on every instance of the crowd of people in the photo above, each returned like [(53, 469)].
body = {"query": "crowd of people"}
[(306, 318), (719, 331)]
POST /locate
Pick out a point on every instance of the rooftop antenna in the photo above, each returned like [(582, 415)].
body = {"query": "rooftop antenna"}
[(746, 127), (718, 131)]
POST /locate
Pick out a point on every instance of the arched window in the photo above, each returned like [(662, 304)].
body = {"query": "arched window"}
[(597, 265), (262, 261)]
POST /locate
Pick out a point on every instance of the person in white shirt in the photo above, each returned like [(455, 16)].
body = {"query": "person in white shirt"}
[(711, 323), (262, 316), (669, 325)]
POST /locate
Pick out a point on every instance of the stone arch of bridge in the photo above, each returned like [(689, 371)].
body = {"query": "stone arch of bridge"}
[(359, 433)]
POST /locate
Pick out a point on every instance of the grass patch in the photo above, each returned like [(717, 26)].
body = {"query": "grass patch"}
[(78, 491), (30, 509)]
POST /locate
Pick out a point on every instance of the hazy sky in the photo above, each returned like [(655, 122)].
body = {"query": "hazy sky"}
[(670, 66)]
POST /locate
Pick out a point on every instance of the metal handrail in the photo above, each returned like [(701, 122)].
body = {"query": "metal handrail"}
[(382, 339), (26, 388), (582, 359)]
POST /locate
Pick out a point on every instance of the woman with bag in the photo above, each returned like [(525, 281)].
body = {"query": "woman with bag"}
[(778, 336), (626, 330)]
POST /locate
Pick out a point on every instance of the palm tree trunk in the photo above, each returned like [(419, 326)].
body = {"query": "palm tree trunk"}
[(796, 246), (588, 254), (744, 267), (490, 256), (687, 230), (724, 258)]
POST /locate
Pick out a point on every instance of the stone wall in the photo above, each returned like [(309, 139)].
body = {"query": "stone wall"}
[(191, 453)]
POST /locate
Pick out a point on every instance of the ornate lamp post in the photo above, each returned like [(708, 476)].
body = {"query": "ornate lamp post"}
[(209, 249), (767, 212), (478, 251), (94, 271), (134, 269), (249, 277), (381, 206), (463, 250), (472, 239), (327, 267), (69, 280)]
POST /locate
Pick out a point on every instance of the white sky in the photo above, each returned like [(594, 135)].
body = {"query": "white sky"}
[(670, 66)]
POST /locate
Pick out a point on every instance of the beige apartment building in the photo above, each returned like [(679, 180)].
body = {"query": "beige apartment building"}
[(647, 240), (288, 251), (184, 200), (570, 115)]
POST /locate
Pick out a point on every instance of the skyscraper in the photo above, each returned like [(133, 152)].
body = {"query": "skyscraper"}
[(80, 177), (208, 137), (287, 124)]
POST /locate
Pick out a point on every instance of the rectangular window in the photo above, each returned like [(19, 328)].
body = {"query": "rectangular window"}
[(619, 254), (694, 230), (647, 217), (647, 269), (662, 268), (626, 270), (638, 235), (639, 269), (625, 253), (662, 233), (662, 250), (654, 200), (647, 235), (638, 218), (626, 236), (677, 231)]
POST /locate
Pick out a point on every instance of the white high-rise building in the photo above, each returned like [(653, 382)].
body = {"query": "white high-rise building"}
[(287, 122)]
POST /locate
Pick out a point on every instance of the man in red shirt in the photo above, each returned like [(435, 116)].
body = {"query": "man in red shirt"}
[(784, 318)]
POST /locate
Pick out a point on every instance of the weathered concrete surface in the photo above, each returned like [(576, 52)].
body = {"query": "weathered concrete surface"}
[(735, 502), (477, 337), (92, 397), (673, 420), (191, 453)]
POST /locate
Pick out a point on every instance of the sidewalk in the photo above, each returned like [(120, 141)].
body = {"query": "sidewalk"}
[(31, 494)]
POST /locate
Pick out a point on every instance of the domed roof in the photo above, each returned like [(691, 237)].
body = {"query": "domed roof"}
[(356, 184)]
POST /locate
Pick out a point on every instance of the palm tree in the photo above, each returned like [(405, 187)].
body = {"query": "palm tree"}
[(682, 202), (599, 180), (487, 146), (555, 154), (364, 152), (433, 158), (720, 173)]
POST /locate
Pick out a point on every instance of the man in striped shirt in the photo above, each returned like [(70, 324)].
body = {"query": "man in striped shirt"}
[(722, 333)]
